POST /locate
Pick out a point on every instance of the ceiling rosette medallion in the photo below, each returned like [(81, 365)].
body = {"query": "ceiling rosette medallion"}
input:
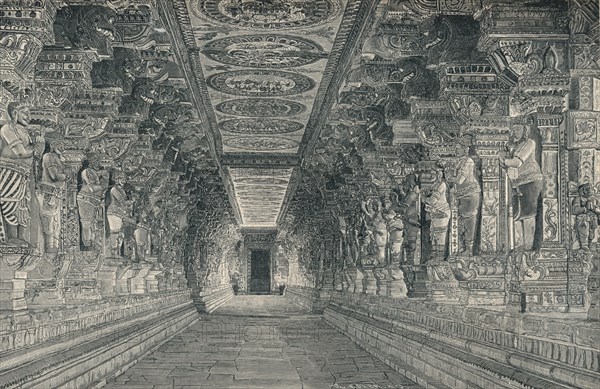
[(260, 83), (260, 126), (260, 143), (264, 51), (260, 107), (269, 15)]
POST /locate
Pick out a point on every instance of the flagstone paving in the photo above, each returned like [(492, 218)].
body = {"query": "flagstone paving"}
[(260, 342)]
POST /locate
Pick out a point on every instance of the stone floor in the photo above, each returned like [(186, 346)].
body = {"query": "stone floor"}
[(260, 342)]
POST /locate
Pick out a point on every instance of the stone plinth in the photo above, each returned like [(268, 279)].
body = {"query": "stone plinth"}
[(395, 285), (107, 276), (550, 280), (470, 346), (82, 346), (369, 282), (355, 282), (152, 280), (14, 261), (209, 299), (416, 279), (123, 279), (12, 289), (82, 289), (137, 283), (482, 279), (42, 287), (312, 299)]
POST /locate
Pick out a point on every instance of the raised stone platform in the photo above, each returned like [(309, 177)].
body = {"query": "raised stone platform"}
[(82, 346), (454, 346), (208, 300), (311, 299)]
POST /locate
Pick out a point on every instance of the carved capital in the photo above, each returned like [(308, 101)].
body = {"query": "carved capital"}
[(583, 129), (32, 18), (18, 53)]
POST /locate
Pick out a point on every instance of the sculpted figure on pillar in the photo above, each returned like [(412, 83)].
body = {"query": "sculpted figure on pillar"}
[(410, 210), (89, 198), (375, 235), (586, 209), (49, 193), (468, 195), (395, 227), (142, 237), (527, 181), (438, 213), (118, 210), (16, 158)]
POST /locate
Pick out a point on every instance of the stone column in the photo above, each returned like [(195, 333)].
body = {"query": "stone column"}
[(12, 287), (369, 282), (24, 29), (495, 191)]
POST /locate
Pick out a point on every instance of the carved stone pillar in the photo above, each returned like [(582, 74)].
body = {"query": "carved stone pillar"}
[(80, 276), (369, 282), (25, 27), (12, 287), (489, 141)]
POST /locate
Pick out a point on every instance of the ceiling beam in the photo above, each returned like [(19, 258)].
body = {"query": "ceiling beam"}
[(260, 160), (358, 15)]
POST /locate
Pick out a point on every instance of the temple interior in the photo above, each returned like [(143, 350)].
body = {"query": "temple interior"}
[(306, 194)]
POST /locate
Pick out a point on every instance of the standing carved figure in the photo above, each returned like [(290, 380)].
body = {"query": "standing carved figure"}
[(395, 227), (438, 213), (117, 211), (527, 181), (89, 198), (411, 216), (587, 211), (16, 158), (375, 230), (49, 193), (468, 195), (142, 237)]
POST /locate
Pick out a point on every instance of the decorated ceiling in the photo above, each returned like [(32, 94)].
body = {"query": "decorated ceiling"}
[(264, 72)]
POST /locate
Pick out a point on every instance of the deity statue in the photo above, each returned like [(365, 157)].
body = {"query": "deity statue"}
[(468, 194), (49, 193), (438, 213), (395, 227), (586, 209), (16, 158), (118, 210), (89, 198), (142, 237), (527, 181), (410, 210), (375, 234)]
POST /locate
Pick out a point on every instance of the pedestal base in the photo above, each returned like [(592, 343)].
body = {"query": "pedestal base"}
[(12, 289), (124, 275), (551, 280), (369, 282), (356, 280), (416, 279), (152, 281), (43, 293), (137, 284), (107, 276), (15, 261)]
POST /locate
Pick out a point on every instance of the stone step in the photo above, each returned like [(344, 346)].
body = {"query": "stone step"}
[(444, 358), (107, 354)]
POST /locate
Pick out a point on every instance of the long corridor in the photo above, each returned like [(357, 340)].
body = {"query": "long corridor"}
[(260, 342)]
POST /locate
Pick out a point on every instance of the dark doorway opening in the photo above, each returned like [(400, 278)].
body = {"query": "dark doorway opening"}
[(260, 272)]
